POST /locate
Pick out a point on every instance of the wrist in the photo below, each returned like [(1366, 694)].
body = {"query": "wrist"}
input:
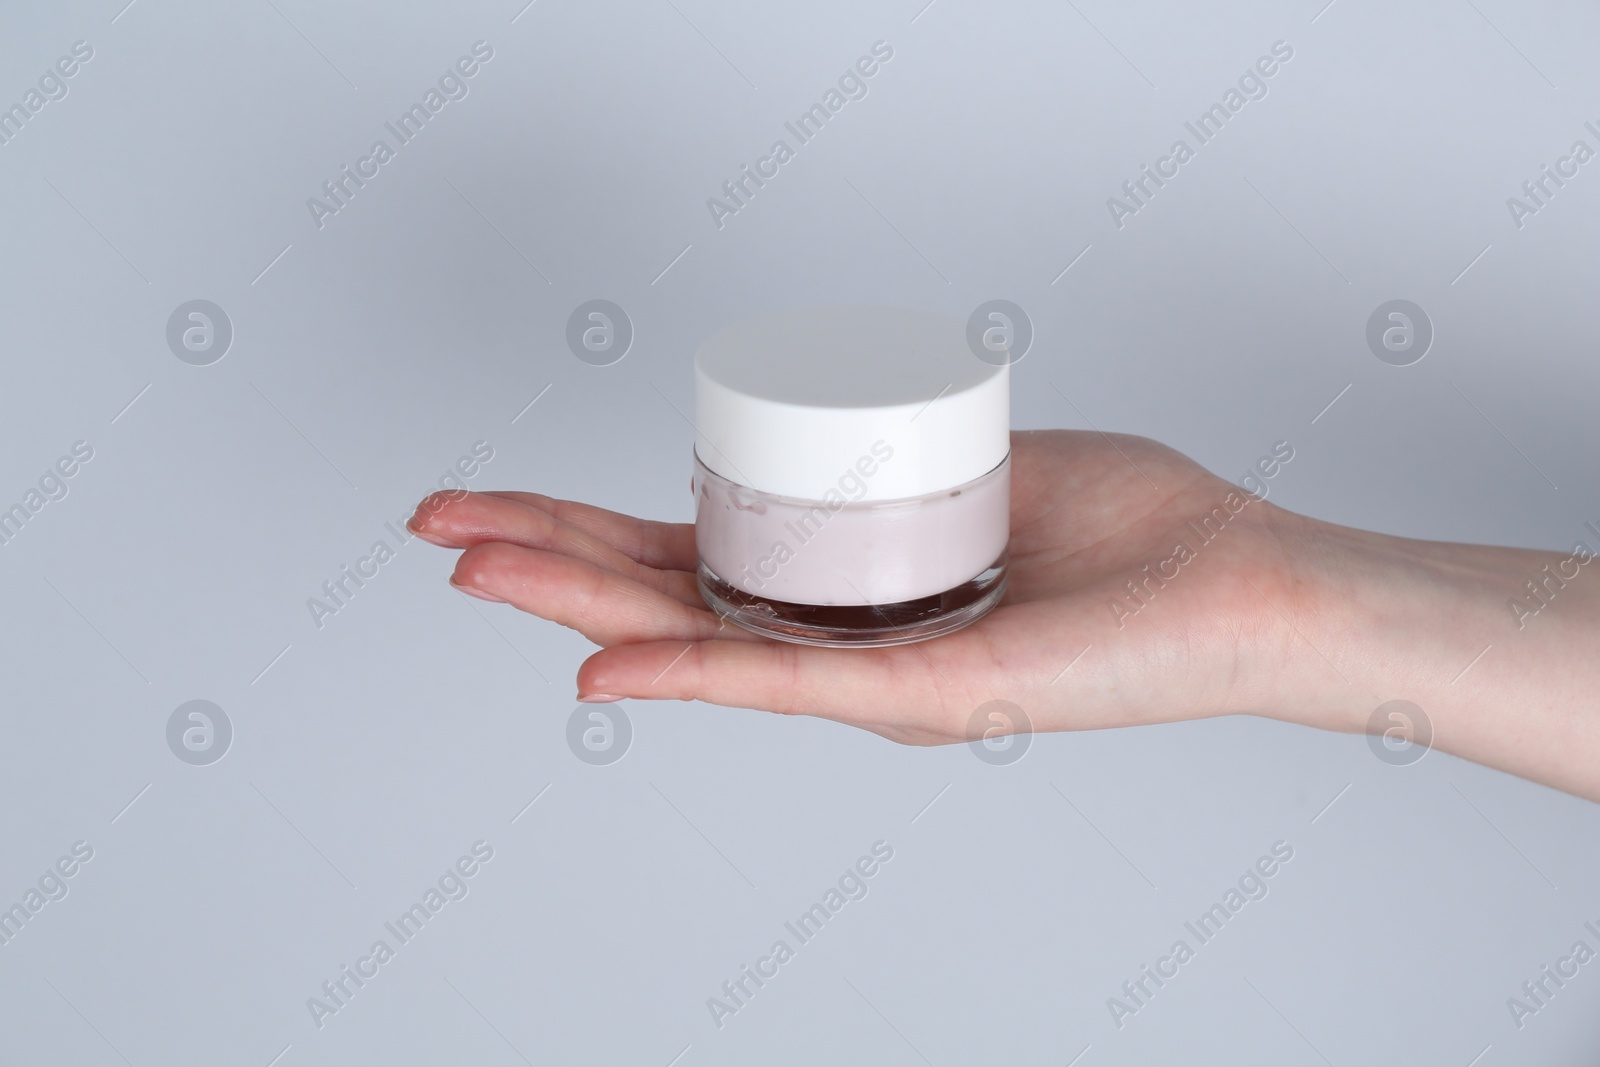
[(1495, 645)]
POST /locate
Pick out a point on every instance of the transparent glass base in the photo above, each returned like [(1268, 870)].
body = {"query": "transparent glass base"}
[(858, 626)]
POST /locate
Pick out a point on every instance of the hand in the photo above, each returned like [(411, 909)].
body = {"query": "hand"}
[(1235, 606), (1088, 511)]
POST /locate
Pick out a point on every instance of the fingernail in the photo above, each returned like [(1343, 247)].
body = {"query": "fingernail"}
[(479, 593), (434, 503), (597, 698), (432, 539)]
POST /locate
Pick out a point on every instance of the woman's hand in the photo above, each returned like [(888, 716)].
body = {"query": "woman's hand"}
[(1142, 589)]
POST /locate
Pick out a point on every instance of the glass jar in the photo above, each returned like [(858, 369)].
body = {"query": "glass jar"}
[(851, 476)]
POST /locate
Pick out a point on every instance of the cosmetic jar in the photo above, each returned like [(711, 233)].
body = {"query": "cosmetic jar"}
[(852, 476)]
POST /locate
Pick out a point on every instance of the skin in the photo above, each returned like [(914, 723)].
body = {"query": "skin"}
[(1278, 615)]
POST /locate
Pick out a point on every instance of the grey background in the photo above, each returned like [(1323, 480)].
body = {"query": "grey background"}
[(370, 753)]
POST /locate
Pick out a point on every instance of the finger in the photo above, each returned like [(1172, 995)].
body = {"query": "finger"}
[(461, 520), (606, 607), (663, 545), (883, 689)]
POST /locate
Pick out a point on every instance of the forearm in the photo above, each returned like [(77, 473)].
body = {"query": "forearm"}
[(1499, 647)]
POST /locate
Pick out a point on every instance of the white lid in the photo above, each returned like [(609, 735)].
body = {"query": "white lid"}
[(790, 401)]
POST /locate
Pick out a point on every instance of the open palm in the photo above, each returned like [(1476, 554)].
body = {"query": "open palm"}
[(1089, 513)]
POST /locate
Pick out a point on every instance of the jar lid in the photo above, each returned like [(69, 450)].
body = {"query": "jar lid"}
[(793, 402)]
